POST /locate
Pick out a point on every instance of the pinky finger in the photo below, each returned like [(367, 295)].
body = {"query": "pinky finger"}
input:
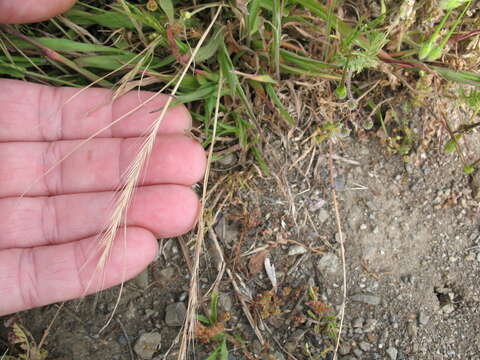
[(44, 275)]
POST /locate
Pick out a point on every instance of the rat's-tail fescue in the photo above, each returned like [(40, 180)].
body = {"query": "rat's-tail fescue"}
[(118, 218)]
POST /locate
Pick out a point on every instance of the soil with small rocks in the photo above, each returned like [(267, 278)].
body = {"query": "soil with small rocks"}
[(412, 251)]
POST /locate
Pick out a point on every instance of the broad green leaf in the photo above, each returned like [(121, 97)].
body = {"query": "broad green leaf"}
[(211, 47), (167, 7), (203, 319)]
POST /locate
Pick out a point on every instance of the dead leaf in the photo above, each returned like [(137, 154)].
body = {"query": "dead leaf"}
[(255, 264)]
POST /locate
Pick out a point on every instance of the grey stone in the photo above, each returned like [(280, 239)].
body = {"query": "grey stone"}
[(147, 345), (227, 160), (122, 340), (478, 257), (168, 273), (367, 299), (357, 352), (448, 308), (423, 318), (225, 302), (344, 349), (339, 182), (392, 353), (141, 280), (296, 250), (175, 314), (365, 346), (323, 215), (329, 263), (277, 355), (412, 329), (370, 325), (358, 322), (408, 279), (228, 232)]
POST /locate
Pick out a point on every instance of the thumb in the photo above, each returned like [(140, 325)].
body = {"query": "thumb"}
[(27, 11)]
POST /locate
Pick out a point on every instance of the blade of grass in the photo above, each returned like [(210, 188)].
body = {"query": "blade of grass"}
[(55, 56), (277, 35)]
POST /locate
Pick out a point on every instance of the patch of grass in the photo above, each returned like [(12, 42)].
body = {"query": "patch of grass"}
[(252, 44)]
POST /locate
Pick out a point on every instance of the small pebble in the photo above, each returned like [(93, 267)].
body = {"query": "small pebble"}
[(175, 314), (277, 355), (367, 299), (392, 353), (329, 263), (358, 322), (365, 346), (147, 345), (423, 318), (225, 302), (370, 325), (358, 353), (412, 329), (323, 215), (339, 182), (168, 273), (344, 349), (296, 250)]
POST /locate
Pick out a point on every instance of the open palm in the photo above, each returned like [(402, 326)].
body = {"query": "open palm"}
[(47, 235)]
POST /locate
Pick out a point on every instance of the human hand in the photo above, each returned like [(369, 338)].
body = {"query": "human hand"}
[(47, 236)]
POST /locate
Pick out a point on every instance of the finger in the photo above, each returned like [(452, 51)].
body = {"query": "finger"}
[(32, 112), (26, 11), (97, 166), (165, 210), (43, 275)]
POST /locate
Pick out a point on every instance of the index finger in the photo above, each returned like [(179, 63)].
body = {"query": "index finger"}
[(33, 112), (26, 11)]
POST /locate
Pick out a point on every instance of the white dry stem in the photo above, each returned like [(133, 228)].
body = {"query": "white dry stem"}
[(190, 318), (342, 247), (133, 175)]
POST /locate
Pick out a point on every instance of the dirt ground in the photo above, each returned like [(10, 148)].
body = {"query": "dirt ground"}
[(412, 249)]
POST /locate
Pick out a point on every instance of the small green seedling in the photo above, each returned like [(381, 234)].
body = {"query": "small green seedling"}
[(210, 328)]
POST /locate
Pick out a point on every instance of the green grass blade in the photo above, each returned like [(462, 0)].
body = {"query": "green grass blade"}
[(277, 35), (278, 104), (214, 307), (113, 62), (111, 19), (223, 350), (62, 45), (253, 18)]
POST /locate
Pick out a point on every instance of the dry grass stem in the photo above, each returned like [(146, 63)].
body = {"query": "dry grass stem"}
[(133, 175), (342, 247), (191, 316)]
